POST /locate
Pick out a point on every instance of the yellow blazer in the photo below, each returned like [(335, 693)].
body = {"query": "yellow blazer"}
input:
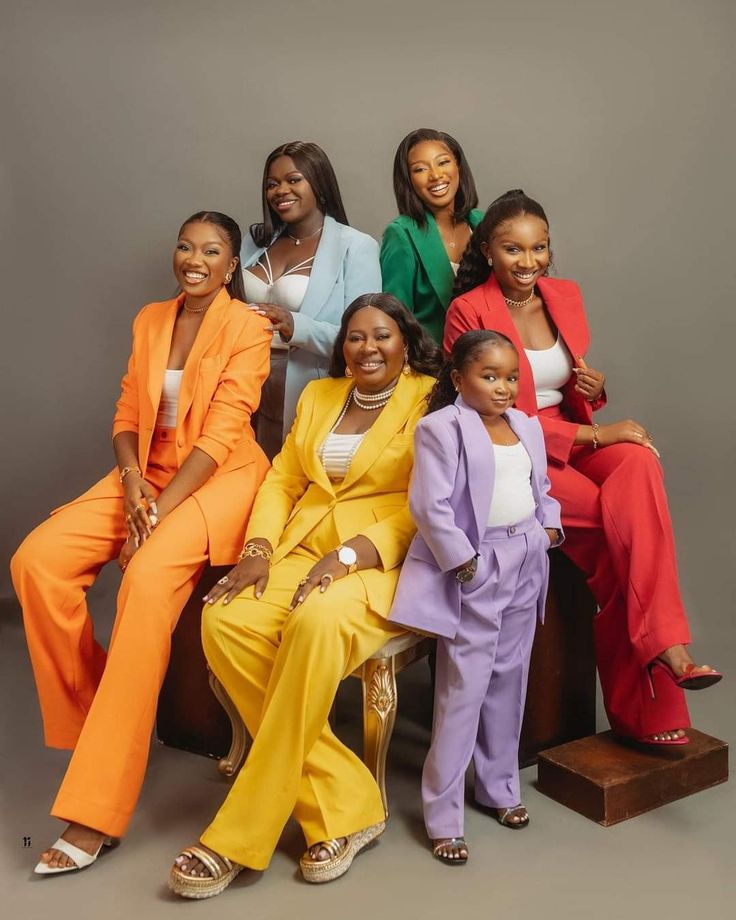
[(220, 390), (297, 494)]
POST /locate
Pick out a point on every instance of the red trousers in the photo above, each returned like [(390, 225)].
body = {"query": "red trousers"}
[(619, 533), (104, 705)]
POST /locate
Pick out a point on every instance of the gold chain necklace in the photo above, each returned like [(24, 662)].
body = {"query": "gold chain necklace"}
[(520, 303)]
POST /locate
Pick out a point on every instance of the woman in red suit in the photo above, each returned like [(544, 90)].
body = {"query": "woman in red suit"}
[(606, 477)]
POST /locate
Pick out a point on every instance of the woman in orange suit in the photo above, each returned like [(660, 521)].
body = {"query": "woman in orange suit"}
[(607, 478), (187, 472)]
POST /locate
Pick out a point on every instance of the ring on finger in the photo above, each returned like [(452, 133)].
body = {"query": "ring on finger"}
[(330, 578), (302, 582), (138, 508), (222, 581)]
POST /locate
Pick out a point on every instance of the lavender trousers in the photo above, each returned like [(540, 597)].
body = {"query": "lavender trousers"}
[(482, 678)]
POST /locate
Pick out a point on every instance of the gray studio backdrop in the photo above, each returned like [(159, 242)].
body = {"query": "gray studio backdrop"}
[(119, 120)]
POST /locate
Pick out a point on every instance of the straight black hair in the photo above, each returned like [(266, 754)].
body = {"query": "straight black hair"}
[(474, 268), (423, 354), (313, 163), (407, 200), (466, 348), (229, 227)]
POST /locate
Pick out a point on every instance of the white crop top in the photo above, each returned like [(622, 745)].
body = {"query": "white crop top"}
[(337, 451), (551, 368), (287, 290), (513, 498), (169, 403)]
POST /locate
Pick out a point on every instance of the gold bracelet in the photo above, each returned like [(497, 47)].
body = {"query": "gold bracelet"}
[(596, 428), (129, 469), (255, 550)]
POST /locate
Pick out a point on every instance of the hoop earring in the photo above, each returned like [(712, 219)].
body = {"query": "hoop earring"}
[(228, 277), (348, 372)]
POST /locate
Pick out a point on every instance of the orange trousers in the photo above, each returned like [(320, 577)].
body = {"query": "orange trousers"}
[(104, 705)]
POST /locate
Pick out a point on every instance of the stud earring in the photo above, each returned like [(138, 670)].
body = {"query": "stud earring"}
[(490, 263), (348, 372)]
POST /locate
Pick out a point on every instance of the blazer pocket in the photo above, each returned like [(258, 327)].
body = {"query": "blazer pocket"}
[(210, 363)]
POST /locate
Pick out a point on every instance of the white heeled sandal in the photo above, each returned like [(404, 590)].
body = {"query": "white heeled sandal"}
[(81, 858)]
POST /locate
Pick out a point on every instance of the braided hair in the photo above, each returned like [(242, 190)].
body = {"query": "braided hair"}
[(467, 348), (474, 268)]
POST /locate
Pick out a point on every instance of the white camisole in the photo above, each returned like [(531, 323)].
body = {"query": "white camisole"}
[(287, 290), (337, 451), (551, 368), (166, 417), (513, 498)]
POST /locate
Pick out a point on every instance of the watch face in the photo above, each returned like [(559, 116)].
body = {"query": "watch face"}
[(465, 575), (347, 555)]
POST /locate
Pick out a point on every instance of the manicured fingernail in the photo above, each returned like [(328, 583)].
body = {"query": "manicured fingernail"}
[(153, 519), (210, 600), (226, 601), (206, 597), (136, 541), (154, 508), (259, 594)]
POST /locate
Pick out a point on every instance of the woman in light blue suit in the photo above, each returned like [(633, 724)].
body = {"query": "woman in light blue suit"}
[(302, 266)]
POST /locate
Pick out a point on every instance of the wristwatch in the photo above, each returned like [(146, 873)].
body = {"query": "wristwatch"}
[(467, 572), (348, 557)]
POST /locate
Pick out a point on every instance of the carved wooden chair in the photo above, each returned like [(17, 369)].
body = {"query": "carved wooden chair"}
[(380, 698)]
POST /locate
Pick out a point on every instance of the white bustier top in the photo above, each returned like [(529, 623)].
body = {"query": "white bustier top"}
[(169, 403), (551, 368), (513, 498), (337, 451), (287, 290)]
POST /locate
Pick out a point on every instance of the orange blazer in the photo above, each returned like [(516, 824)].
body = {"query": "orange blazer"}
[(220, 390), (485, 308)]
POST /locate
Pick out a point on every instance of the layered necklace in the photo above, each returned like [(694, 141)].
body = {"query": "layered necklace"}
[(520, 303), (371, 401)]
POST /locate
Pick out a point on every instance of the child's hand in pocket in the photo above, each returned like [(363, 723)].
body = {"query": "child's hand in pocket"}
[(553, 534)]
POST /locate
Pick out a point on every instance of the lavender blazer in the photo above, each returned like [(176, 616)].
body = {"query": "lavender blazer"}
[(452, 450)]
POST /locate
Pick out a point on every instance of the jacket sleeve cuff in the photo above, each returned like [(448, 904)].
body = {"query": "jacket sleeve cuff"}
[(213, 448)]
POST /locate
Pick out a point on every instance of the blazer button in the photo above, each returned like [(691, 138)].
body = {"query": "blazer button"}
[(512, 530), (180, 442)]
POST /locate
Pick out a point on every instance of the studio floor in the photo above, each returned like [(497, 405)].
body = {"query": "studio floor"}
[(677, 862)]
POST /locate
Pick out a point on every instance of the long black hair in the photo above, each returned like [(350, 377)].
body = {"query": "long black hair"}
[(474, 268), (423, 354), (467, 348), (313, 163), (231, 230), (407, 200)]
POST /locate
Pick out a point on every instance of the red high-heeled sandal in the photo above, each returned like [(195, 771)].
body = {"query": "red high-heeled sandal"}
[(662, 742), (687, 680)]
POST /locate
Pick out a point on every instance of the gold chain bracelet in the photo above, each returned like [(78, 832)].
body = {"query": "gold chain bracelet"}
[(129, 469), (255, 550), (596, 428)]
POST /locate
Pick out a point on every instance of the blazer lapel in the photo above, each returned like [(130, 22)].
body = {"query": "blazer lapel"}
[(572, 333), (431, 251), (214, 319), (480, 463), (159, 346), (391, 419), (326, 268)]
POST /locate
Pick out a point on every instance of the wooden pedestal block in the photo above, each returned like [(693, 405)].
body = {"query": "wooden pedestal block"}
[(609, 780), (189, 716)]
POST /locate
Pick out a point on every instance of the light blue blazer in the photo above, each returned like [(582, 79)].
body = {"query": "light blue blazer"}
[(345, 266)]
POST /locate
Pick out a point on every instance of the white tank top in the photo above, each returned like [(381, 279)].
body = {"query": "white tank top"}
[(166, 417), (337, 451), (551, 368), (513, 498), (287, 290)]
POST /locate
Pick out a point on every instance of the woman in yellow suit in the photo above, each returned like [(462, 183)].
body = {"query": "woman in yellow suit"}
[(188, 469), (333, 522)]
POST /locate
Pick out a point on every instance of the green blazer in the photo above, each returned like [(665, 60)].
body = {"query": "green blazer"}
[(415, 268)]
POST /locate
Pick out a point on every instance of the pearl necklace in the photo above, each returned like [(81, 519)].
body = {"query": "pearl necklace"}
[(520, 303), (371, 401), (299, 239)]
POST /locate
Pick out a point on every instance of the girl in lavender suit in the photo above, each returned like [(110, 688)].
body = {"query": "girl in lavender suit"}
[(485, 520)]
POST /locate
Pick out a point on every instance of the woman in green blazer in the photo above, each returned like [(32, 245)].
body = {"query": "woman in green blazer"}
[(422, 247)]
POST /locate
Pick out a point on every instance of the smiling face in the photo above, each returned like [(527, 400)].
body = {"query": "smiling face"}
[(519, 248), (374, 349), (202, 259), (288, 193), (434, 173), (489, 382)]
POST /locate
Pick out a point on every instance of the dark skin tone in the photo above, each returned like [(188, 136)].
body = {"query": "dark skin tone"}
[(519, 249), (293, 200), (375, 352), (435, 177), (202, 260)]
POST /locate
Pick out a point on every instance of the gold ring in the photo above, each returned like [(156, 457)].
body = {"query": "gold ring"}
[(129, 517), (327, 575), (138, 508), (223, 580), (302, 583)]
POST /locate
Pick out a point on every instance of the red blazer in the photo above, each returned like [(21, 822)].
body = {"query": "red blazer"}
[(220, 390), (485, 308)]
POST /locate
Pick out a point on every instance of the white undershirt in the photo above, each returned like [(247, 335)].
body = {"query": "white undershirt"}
[(513, 498), (337, 451), (169, 403), (287, 290), (551, 369)]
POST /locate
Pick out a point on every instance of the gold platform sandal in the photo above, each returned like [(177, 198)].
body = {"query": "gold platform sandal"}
[(192, 886), (341, 854)]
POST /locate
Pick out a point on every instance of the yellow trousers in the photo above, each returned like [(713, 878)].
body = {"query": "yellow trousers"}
[(282, 671)]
